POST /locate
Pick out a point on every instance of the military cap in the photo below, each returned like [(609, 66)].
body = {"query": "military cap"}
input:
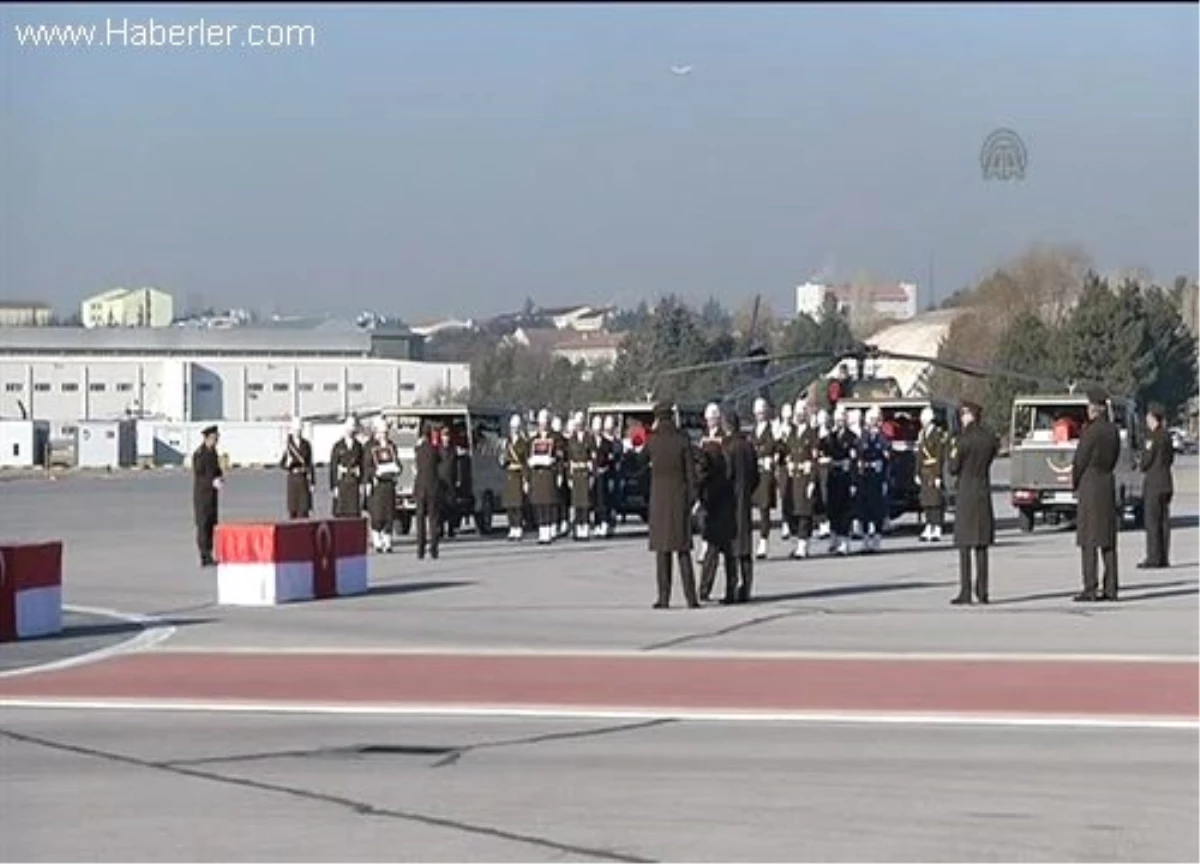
[(662, 411), (1097, 396), (209, 430), (974, 407), (1157, 410)]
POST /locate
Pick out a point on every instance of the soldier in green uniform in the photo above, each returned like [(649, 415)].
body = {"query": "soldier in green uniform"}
[(804, 451), (930, 462), (544, 475), (515, 461), (580, 456)]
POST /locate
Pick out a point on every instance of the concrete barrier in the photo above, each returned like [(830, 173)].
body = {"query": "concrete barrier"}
[(30, 590), (270, 563)]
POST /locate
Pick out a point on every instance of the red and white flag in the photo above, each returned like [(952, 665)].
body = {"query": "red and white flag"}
[(30, 590), (265, 564)]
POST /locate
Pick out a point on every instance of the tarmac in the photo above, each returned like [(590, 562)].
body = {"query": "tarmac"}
[(511, 702)]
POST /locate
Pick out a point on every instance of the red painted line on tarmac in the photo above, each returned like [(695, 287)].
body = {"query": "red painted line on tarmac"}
[(1025, 687)]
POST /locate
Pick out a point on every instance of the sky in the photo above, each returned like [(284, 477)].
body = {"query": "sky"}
[(430, 161)]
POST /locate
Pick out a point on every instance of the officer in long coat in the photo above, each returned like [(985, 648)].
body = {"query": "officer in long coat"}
[(716, 504), (427, 492), (764, 493), (544, 472), (745, 475), (607, 455), (448, 482), (346, 473), (381, 468), (672, 491), (784, 431), (930, 463), (971, 458), (802, 462), (207, 479), (1096, 516), (1157, 490), (824, 430), (297, 461), (580, 459), (841, 449), (515, 461)]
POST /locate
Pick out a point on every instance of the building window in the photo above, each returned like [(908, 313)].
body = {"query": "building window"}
[(330, 387), (356, 388), (69, 387), (255, 388), (97, 388), (14, 387), (306, 387), (124, 387), (407, 386), (41, 388), (206, 387), (280, 388)]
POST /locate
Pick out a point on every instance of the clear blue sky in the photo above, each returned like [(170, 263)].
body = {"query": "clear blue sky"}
[(432, 161)]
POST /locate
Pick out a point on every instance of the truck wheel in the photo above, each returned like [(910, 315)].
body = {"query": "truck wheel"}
[(1025, 519), (405, 523), (483, 518)]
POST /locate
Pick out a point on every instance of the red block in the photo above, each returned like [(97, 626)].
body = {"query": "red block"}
[(30, 590)]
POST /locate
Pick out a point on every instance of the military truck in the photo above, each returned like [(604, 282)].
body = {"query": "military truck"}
[(478, 434), (1042, 442), (630, 493), (902, 421)]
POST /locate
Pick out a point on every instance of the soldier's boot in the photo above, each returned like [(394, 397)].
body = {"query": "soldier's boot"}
[(564, 528), (687, 578), (824, 530), (856, 529), (927, 533), (785, 530), (842, 545), (543, 535), (760, 551), (936, 534), (964, 591), (584, 533), (801, 550)]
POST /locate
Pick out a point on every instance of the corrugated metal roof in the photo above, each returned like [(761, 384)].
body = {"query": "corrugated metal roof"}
[(346, 340)]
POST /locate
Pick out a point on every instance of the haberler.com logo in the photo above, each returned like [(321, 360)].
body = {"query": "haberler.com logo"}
[(1003, 156)]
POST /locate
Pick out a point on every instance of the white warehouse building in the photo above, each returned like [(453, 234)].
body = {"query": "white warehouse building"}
[(67, 374)]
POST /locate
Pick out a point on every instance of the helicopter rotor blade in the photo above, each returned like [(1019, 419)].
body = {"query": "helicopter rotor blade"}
[(744, 361), (746, 389), (975, 371)]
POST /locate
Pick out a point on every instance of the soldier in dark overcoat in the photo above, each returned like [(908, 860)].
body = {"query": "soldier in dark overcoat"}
[(544, 473), (874, 464), (207, 479), (515, 461), (764, 493), (580, 461), (824, 430), (930, 463), (562, 514), (841, 449), (715, 492), (346, 473), (1096, 517), (427, 491), (607, 453), (381, 468), (672, 491), (297, 461), (448, 482), (745, 475), (802, 459), (784, 431), (970, 460), (1157, 489)]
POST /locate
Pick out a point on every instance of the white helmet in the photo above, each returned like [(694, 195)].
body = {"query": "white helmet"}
[(927, 416), (297, 425), (854, 417), (556, 424), (823, 418), (381, 424), (839, 413), (349, 426), (760, 407), (572, 424), (800, 411), (543, 418), (580, 420), (712, 411), (785, 411), (514, 422), (874, 415), (597, 423), (610, 423)]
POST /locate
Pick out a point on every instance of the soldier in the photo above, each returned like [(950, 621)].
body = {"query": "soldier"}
[(297, 461), (562, 514), (544, 474), (1096, 520), (841, 449), (382, 467), (971, 458), (579, 475), (745, 476), (427, 492), (931, 457), (345, 473), (515, 462), (672, 490), (207, 480), (803, 454), (854, 424), (874, 460), (784, 432), (821, 509), (717, 504), (1157, 490), (764, 494), (451, 518), (607, 454)]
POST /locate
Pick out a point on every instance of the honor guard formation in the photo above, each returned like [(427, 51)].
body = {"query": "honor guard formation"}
[(837, 476)]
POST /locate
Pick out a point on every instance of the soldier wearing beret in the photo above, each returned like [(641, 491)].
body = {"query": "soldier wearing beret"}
[(1097, 519), (672, 491), (971, 457), (1157, 489), (206, 485)]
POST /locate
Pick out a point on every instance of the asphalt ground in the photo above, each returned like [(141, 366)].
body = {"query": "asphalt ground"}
[(106, 781)]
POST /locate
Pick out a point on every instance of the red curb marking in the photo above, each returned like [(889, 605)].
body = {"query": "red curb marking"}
[(1041, 687)]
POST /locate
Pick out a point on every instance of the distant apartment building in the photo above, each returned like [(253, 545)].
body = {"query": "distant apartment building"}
[(128, 307), (15, 313), (593, 350), (895, 302)]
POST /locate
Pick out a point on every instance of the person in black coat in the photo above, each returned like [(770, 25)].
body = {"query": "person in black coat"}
[(206, 485), (1096, 517), (1157, 490), (672, 492), (427, 492), (971, 458), (745, 475), (717, 505)]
